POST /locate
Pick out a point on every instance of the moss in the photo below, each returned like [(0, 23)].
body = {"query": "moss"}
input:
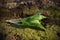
[(30, 34)]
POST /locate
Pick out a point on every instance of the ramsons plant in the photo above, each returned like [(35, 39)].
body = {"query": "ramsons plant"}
[(32, 21)]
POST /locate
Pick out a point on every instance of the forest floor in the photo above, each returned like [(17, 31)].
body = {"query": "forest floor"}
[(9, 32)]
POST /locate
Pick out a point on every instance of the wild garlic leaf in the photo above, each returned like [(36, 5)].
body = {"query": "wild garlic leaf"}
[(34, 20)]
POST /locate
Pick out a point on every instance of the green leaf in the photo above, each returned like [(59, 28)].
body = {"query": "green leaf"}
[(34, 20)]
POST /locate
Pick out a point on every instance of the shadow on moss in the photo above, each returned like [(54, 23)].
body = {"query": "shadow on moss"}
[(23, 27)]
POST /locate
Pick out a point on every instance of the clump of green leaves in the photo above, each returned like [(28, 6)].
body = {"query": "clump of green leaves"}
[(32, 21)]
